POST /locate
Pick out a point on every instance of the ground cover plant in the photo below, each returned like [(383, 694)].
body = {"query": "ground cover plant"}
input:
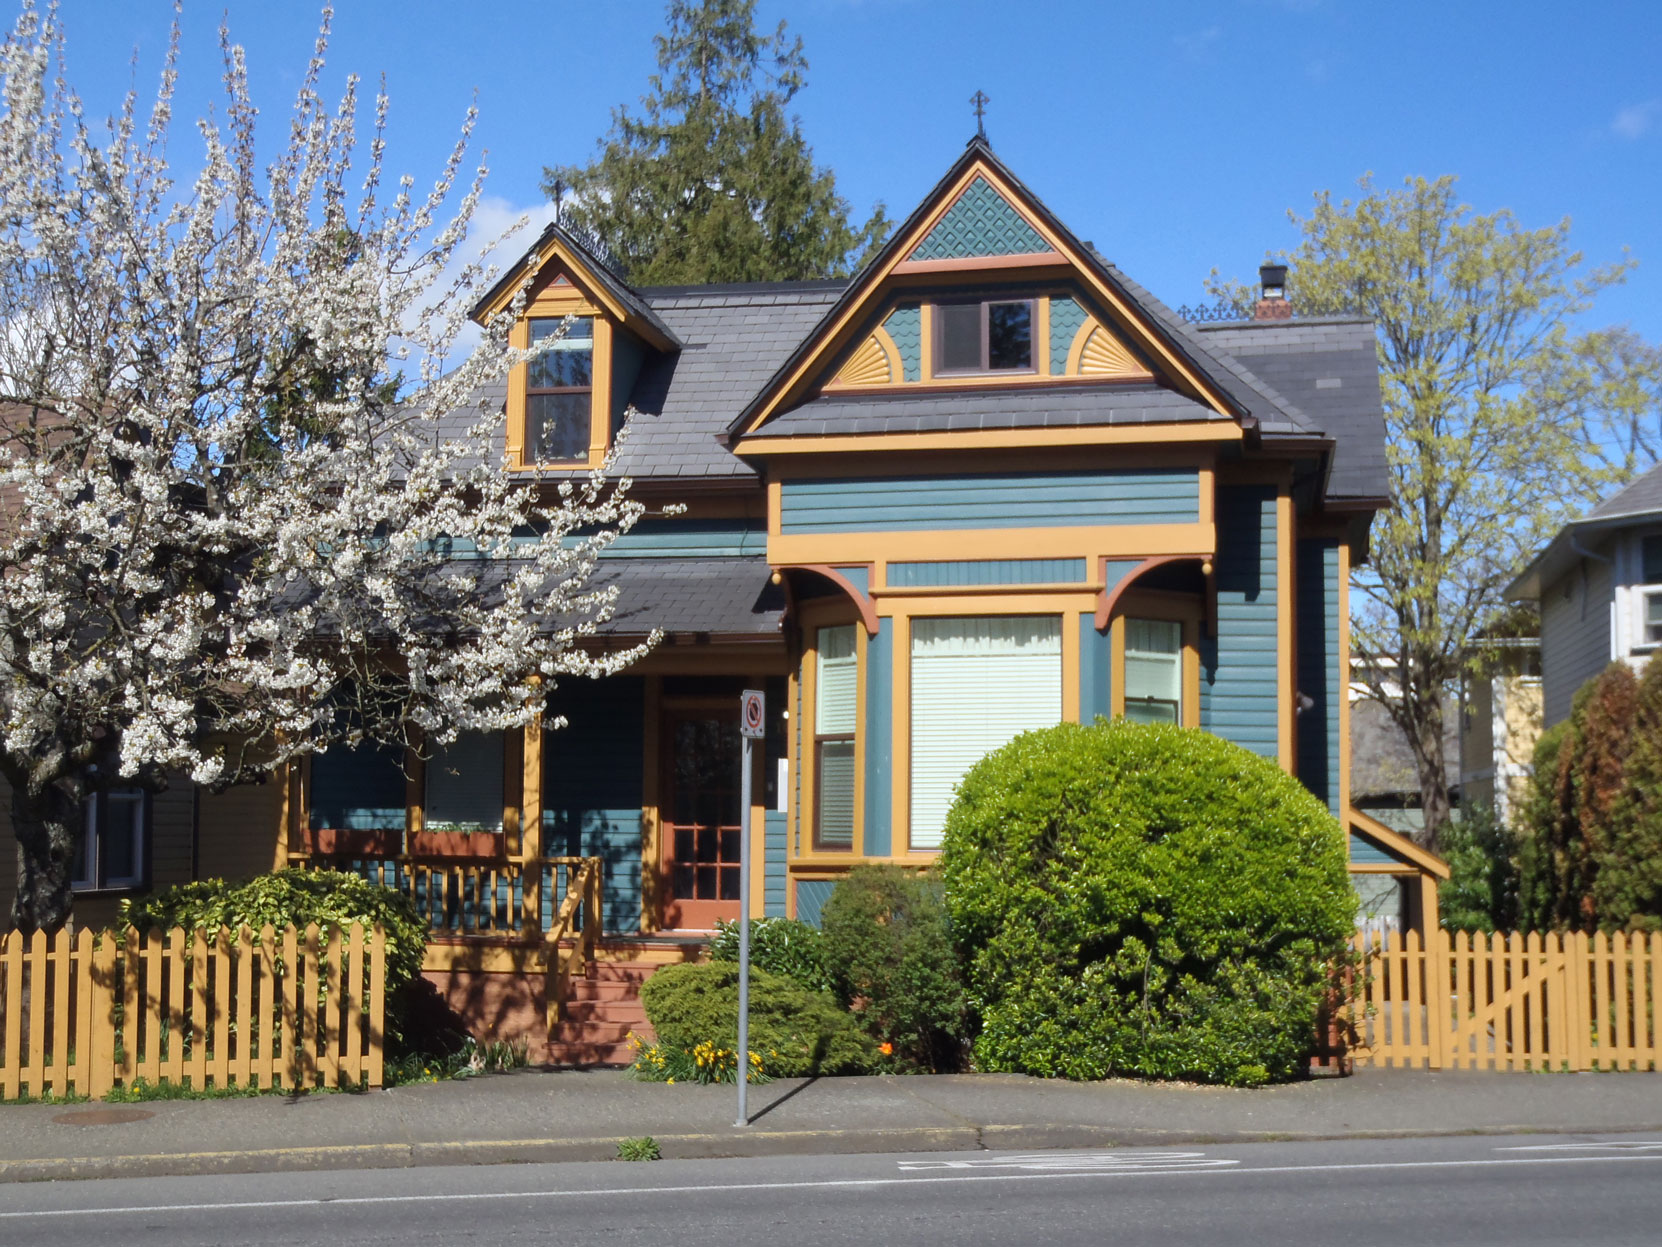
[(1145, 900)]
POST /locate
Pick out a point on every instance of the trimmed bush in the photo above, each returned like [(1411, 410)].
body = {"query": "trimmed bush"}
[(1146, 900), (889, 944), (779, 946), (797, 1032)]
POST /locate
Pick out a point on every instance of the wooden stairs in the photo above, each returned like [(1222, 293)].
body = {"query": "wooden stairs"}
[(600, 1010)]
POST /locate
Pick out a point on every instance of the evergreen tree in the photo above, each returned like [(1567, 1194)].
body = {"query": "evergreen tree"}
[(713, 181)]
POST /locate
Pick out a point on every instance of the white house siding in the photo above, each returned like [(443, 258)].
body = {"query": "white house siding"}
[(1575, 634)]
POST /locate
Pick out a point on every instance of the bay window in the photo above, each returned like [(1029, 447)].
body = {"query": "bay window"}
[(836, 674), (976, 684)]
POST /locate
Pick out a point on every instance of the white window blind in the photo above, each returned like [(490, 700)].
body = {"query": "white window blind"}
[(976, 685), (834, 715), (836, 693), (464, 784), (1153, 670)]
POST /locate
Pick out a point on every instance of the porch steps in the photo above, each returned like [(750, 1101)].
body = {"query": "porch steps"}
[(598, 1014)]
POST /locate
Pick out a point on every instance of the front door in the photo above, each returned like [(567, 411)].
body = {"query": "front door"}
[(701, 817)]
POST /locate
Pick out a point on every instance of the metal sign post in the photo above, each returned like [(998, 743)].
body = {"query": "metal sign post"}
[(752, 727)]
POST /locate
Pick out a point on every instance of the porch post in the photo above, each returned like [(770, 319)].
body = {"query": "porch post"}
[(530, 826)]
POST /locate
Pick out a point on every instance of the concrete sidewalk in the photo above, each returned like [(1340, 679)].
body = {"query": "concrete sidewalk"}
[(572, 1115)]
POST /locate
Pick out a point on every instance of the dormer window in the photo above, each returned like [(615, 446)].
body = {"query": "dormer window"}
[(559, 391), (990, 335)]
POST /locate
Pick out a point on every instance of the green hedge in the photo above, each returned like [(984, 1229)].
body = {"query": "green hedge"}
[(1143, 899), (889, 945), (333, 899), (796, 1031), (779, 946)]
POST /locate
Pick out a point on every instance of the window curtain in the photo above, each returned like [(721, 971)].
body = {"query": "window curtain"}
[(976, 685)]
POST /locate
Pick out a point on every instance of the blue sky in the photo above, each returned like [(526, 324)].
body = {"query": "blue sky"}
[(1175, 135)]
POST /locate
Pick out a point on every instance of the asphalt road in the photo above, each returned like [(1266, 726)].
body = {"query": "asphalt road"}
[(1515, 1191)]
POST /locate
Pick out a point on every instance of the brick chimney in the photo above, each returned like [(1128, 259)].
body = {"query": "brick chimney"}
[(1272, 300)]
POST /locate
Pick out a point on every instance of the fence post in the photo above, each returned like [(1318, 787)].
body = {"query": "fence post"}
[(1437, 991)]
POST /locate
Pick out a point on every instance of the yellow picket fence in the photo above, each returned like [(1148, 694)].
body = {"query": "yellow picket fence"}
[(83, 1014), (1506, 1001)]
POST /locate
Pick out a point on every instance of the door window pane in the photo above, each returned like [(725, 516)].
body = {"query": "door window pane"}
[(976, 685)]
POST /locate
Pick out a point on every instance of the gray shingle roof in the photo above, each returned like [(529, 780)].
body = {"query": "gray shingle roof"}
[(987, 409), (719, 596), (1640, 499), (1640, 496), (735, 338), (1329, 370)]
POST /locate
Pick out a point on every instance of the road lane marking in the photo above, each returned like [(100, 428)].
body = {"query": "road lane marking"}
[(1620, 1145), (1077, 1162), (347, 1201)]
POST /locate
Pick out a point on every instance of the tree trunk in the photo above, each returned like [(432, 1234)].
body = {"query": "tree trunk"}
[(47, 828), (1433, 772)]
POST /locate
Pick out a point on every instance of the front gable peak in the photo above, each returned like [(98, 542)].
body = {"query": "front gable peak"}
[(982, 245)]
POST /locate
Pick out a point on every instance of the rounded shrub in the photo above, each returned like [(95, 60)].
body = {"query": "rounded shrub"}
[(779, 946), (796, 1031), (888, 945), (1143, 899)]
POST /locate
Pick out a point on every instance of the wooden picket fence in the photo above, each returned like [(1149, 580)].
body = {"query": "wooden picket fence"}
[(86, 1013), (1506, 1001)]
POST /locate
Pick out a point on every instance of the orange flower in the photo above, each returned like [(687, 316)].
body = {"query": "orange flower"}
[(887, 1049)]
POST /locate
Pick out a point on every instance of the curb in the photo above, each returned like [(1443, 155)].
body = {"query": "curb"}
[(705, 1146)]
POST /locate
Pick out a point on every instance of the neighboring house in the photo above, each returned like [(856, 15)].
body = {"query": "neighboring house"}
[(986, 485), (1599, 587), (1500, 722)]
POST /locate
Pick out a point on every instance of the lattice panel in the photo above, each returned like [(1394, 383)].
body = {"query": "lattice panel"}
[(980, 223)]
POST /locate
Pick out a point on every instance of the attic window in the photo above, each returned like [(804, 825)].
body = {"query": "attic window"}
[(559, 391), (985, 336)]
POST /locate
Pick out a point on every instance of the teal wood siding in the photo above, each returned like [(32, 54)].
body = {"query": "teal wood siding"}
[(811, 895), (1240, 690), (1066, 316), (1318, 667), (773, 864), (980, 223), (1095, 671), (627, 357), (879, 739), (1365, 852), (685, 539), (859, 577), (988, 572), (905, 326), (1004, 500), (359, 789), (592, 787)]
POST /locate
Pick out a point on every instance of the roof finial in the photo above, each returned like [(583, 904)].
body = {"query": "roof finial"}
[(980, 99)]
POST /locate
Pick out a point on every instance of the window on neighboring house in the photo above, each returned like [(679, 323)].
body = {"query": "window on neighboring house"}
[(994, 335), (977, 684), (110, 853), (465, 784), (559, 391), (1650, 557), (836, 697), (1153, 671), (1652, 622)]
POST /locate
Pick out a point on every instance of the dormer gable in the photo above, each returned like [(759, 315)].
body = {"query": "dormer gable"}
[(983, 287), (564, 408)]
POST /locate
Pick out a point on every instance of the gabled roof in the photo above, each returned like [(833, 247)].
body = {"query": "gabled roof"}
[(556, 241), (1230, 390), (1637, 502)]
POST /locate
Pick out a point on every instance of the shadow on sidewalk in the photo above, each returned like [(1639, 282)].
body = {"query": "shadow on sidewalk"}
[(794, 1091)]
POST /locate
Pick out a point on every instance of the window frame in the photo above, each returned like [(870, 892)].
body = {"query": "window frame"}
[(1165, 606), (851, 738), (1177, 703), (529, 441), (984, 302), (95, 830)]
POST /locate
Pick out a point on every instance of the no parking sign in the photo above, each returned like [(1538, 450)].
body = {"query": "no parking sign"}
[(752, 714)]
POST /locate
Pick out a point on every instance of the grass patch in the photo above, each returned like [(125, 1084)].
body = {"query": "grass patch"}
[(643, 1148)]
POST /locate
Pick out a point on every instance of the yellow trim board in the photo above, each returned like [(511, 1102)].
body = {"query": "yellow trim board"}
[(1396, 842), (995, 439)]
